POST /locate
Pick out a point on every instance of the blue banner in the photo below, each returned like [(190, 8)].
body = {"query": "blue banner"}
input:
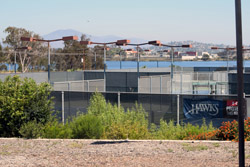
[(203, 108)]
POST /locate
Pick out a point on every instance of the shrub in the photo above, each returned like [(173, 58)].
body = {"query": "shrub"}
[(126, 130), (179, 132), (228, 131), (117, 123), (31, 130), (247, 129), (22, 101), (86, 126), (203, 136), (54, 130)]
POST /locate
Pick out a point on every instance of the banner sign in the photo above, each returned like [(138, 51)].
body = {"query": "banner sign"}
[(232, 107), (203, 108)]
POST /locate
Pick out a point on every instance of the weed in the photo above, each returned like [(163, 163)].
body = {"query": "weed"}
[(5, 153), (226, 148), (76, 145), (26, 145), (247, 156), (216, 144), (202, 147), (4, 147), (54, 143), (185, 144), (234, 153), (195, 148), (170, 150)]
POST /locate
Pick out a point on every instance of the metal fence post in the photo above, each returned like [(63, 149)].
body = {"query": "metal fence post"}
[(181, 83), (178, 109), (119, 100), (150, 84), (63, 107), (161, 84), (68, 85), (88, 86)]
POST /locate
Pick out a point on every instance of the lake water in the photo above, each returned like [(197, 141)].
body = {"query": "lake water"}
[(155, 64)]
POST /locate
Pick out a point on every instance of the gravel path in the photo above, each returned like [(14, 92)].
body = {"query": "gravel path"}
[(116, 153)]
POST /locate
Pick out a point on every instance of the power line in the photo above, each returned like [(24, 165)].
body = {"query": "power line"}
[(37, 53)]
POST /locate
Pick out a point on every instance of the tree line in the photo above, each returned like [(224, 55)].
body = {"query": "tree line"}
[(73, 56)]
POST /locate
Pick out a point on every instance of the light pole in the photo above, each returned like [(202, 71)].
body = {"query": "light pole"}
[(30, 39), (118, 42), (104, 69), (95, 50), (138, 56), (120, 56), (172, 59), (20, 48), (83, 57), (227, 50), (95, 60), (172, 68), (161, 55), (240, 85)]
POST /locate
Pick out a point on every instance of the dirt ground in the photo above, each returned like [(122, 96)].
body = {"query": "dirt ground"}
[(117, 153)]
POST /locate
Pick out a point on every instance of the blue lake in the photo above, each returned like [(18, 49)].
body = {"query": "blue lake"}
[(155, 64)]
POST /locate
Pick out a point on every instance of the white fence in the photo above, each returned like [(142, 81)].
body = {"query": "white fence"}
[(82, 85)]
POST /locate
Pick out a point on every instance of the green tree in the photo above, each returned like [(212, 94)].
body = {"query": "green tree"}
[(99, 51), (22, 101), (3, 67), (13, 40), (69, 61), (6, 56), (1, 54), (114, 50), (2, 60)]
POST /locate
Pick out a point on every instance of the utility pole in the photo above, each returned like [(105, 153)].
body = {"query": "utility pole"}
[(240, 83)]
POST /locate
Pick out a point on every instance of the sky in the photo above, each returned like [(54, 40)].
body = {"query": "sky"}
[(208, 21)]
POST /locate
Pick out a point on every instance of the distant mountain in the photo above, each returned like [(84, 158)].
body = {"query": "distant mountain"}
[(70, 32), (59, 34), (197, 46)]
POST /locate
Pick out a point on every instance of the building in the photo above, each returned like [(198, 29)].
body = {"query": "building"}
[(130, 53), (189, 56)]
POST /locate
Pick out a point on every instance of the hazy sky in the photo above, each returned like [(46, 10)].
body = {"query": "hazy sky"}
[(211, 21)]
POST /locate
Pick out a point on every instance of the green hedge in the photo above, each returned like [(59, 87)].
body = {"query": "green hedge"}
[(23, 101)]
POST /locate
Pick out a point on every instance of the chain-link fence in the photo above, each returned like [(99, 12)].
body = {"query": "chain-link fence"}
[(39, 77), (158, 106), (82, 85), (186, 83), (155, 84)]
